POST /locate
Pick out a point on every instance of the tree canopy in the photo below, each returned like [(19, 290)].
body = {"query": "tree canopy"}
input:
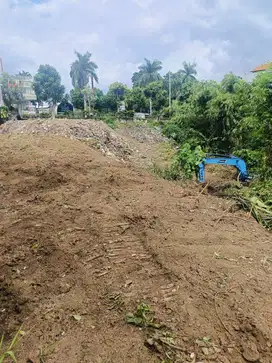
[(82, 69), (47, 86), (11, 92), (148, 72)]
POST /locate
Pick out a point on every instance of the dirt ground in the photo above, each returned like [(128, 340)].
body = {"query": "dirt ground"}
[(84, 239)]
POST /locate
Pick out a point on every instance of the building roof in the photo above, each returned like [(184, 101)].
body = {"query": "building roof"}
[(262, 67)]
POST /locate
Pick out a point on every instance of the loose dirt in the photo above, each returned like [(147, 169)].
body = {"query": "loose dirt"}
[(84, 239), (137, 144)]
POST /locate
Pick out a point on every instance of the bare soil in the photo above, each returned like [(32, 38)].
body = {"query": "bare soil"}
[(84, 239)]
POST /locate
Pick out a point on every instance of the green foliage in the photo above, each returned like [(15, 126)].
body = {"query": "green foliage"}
[(189, 70), (148, 72), (143, 317), (188, 159), (83, 68), (3, 113), (125, 115), (7, 354), (136, 100), (228, 117), (77, 98), (155, 91), (12, 93), (44, 115), (110, 120), (47, 86), (248, 200), (118, 90), (184, 164)]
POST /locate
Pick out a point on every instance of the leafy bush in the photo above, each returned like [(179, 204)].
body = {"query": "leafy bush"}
[(87, 114), (125, 115), (255, 160), (29, 116), (78, 114), (3, 113), (110, 120), (188, 159), (184, 164), (44, 115)]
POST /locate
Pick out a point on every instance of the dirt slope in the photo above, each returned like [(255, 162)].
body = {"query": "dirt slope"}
[(128, 144), (83, 235)]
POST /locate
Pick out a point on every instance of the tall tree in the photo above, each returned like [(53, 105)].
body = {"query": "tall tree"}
[(47, 86), (83, 69), (148, 72), (24, 74), (157, 96), (77, 98), (11, 92), (136, 100), (189, 70)]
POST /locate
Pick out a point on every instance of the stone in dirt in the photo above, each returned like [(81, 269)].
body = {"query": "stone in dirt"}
[(250, 352)]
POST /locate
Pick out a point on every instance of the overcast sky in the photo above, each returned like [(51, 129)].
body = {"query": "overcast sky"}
[(219, 35)]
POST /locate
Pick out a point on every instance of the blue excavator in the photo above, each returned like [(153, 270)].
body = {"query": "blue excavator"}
[(225, 160)]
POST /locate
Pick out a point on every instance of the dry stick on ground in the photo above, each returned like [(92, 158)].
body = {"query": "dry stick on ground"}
[(235, 217), (220, 319), (202, 191), (199, 194), (223, 214)]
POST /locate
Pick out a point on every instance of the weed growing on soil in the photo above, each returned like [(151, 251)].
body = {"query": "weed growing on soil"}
[(110, 121), (8, 353), (159, 339), (172, 172), (143, 317)]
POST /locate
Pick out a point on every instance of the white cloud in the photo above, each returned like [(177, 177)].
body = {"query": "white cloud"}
[(205, 55), (216, 34), (167, 38), (143, 3), (152, 23)]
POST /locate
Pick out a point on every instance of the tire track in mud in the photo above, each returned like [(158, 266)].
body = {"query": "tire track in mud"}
[(125, 259)]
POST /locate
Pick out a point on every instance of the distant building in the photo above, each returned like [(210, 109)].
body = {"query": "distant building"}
[(25, 84), (262, 67), (24, 81)]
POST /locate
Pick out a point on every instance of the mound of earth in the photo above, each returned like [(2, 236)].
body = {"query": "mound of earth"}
[(97, 132), (118, 145), (85, 239)]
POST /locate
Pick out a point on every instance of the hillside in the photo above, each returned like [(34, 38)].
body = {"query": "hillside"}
[(86, 237)]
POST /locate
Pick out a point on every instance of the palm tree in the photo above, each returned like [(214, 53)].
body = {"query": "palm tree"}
[(188, 71), (82, 69), (24, 74), (148, 72)]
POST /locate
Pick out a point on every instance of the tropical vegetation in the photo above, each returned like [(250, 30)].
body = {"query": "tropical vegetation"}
[(230, 116)]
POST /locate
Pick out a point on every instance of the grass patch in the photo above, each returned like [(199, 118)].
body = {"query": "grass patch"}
[(7, 352), (110, 120)]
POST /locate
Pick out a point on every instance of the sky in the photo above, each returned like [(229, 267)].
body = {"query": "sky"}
[(221, 36)]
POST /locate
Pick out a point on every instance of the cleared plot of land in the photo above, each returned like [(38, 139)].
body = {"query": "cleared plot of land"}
[(84, 239)]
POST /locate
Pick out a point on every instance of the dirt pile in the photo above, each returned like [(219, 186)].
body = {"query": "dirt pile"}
[(85, 239), (97, 132), (137, 144), (142, 133)]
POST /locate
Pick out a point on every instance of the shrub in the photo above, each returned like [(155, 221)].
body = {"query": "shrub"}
[(3, 113)]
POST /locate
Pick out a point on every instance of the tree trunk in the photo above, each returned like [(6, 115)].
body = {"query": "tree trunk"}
[(92, 83), (20, 110), (85, 102), (53, 111), (150, 106)]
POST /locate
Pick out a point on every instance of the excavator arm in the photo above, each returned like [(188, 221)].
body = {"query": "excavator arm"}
[(219, 159)]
